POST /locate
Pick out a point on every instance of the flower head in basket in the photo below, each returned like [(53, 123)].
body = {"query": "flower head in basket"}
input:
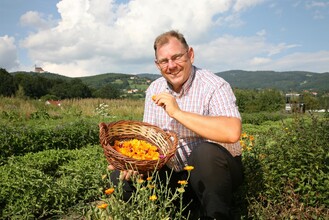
[(165, 143)]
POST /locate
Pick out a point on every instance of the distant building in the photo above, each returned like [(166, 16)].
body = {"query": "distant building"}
[(38, 70), (131, 91), (294, 103), (53, 102)]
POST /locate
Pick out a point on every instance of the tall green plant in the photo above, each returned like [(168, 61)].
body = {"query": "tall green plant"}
[(286, 171)]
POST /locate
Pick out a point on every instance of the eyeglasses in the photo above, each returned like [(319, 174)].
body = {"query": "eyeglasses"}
[(177, 58)]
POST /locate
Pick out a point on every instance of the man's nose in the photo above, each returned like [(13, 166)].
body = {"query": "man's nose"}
[(171, 64)]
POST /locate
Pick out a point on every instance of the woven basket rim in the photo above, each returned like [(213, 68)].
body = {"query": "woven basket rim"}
[(129, 129)]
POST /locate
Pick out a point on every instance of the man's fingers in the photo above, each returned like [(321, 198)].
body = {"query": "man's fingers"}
[(127, 174), (110, 167)]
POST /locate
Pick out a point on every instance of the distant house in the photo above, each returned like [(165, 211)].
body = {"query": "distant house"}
[(53, 102), (132, 91), (38, 70)]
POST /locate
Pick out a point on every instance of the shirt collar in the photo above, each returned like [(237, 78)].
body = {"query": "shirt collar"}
[(186, 86)]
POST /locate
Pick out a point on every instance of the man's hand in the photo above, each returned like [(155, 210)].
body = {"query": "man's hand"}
[(124, 174), (168, 102)]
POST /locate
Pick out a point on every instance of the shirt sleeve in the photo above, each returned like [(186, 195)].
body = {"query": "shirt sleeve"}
[(148, 108), (223, 102)]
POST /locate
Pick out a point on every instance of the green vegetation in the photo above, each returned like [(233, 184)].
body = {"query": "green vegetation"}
[(285, 81), (52, 165), (250, 87)]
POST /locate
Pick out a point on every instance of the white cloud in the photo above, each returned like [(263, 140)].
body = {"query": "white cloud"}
[(99, 36), (259, 61), (8, 53), (245, 4), (247, 53), (315, 61), (35, 20)]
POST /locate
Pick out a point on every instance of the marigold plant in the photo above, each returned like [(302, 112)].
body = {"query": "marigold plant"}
[(137, 149)]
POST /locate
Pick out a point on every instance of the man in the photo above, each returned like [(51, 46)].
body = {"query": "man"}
[(200, 107)]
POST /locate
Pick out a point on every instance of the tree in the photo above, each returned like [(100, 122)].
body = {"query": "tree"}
[(7, 85), (311, 102), (78, 90), (249, 101), (107, 92), (73, 89), (34, 86)]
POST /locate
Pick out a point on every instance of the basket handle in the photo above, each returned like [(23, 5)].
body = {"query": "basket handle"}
[(102, 133), (173, 137)]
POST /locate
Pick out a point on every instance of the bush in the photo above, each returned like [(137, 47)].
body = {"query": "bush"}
[(286, 171), (49, 182), (261, 117), (22, 139)]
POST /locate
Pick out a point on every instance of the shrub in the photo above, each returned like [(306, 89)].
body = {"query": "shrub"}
[(286, 171), (22, 139), (49, 182)]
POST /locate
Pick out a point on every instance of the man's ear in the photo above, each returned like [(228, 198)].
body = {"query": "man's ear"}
[(191, 54)]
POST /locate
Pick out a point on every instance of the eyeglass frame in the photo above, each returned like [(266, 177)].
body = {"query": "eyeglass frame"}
[(176, 58)]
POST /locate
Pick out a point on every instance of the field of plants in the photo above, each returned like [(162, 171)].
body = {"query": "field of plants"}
[(53, 167)]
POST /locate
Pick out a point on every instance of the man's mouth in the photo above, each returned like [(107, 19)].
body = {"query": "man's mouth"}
[(174, 73)]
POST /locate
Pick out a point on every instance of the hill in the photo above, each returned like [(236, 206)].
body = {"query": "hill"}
[(100, 80), (47, 75), (285, 81)]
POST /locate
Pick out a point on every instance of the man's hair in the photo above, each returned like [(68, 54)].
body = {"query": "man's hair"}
[(164, 39)]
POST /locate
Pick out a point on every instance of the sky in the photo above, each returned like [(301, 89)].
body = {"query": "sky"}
[(79, 38)]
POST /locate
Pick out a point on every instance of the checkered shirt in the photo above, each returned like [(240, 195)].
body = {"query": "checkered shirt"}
[(203, 93)]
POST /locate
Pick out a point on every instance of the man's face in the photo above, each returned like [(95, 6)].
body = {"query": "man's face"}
[(175, 63)]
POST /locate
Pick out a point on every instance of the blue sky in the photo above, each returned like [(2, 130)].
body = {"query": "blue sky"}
[(89, 37)]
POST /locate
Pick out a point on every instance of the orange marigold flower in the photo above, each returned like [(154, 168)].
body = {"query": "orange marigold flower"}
[(189, 168), (137, 149), (244, 135), (103, 206), (109, 191), (153, 198), (251, 138), (149, 178), (182, 182), (140, 181)]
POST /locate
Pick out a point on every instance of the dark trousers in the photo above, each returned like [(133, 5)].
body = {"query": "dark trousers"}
[(216, 175)]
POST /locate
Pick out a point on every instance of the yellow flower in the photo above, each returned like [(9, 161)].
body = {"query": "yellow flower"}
[(109, 191), (262, 156), (244, 135), (104, 176), (153, 197), (149, 178), (140, 181), (181, 190), (150, 186), (137, 149), (103, 206), (189, 168), (182, 182)]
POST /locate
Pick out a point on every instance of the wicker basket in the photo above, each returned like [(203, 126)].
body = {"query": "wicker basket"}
[(166, 142)]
